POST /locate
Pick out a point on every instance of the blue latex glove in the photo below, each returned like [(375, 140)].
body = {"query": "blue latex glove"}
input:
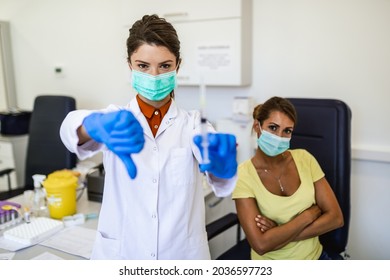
[(222, 154), (120, 131)]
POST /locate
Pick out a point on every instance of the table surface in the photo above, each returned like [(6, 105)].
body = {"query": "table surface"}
[(84, 206)]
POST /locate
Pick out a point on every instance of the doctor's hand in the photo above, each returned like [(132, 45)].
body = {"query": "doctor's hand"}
[(222, 154), (120, 131)]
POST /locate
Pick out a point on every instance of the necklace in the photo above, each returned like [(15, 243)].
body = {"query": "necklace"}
[(280, 176), (277, 179)]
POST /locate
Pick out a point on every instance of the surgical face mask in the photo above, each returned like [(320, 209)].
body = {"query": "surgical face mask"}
[(154, 88), (271, 144)]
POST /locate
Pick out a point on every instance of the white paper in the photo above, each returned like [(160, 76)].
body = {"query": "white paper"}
[(6, 256), (47, 256), (214, 57), (11, 245), (73, 240)]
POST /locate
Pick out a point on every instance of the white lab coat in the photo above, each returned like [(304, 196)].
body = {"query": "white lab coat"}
[(161, 213)]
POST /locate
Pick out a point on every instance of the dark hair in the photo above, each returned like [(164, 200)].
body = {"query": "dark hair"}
[(262, 111), (153, 30)]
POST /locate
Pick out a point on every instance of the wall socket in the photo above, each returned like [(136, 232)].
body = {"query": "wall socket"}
[(59, 71)]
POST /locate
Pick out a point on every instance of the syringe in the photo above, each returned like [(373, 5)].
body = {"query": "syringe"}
[(203, 123)]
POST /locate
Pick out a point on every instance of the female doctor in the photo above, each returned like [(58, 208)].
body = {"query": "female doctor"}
[(153, 204)]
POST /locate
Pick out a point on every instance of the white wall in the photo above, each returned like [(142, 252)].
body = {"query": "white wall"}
[(301, 48), (370, 224)]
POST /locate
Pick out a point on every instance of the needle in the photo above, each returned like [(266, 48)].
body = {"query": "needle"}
[(203, 122)]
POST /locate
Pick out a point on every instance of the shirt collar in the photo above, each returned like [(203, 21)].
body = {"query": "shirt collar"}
[(148, 110)]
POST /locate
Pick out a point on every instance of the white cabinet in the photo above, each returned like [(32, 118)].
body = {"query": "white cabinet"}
[(245, 137), (13, 155), (215, 36), (179, 10)]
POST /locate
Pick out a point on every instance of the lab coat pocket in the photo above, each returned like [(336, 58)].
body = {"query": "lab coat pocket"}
[(181, 166), (105, 248)]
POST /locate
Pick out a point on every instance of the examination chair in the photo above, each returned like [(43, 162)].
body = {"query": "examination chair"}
[(45, 150), (324, 129)]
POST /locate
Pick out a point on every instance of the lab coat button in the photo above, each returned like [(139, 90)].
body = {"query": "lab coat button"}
[(154, 181), (154, 148), (154, 216), (152, 255)]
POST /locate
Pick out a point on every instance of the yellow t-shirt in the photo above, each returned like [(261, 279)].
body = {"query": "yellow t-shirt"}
[(282, 209)]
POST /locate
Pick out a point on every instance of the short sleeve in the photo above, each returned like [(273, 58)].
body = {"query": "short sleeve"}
[(246, 181), (316, 171)]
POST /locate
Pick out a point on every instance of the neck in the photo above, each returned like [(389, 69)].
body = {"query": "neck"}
[(265, 161)]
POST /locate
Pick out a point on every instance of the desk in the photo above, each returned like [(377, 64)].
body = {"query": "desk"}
[(214, 210), (83, 206)]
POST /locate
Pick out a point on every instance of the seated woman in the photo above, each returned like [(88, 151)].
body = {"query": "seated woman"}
[(283, 199)]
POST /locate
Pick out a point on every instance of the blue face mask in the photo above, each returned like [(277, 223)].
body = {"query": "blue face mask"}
[(154, 88), (271, 144)]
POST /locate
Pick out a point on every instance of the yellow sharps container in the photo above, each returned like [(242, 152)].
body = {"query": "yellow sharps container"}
[(60, 189)]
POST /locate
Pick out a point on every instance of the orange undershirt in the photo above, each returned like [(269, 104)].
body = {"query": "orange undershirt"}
[(153, 116)]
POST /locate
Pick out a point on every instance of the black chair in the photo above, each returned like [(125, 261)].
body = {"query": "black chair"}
[(45, 150), (324, 129), (241, 250)]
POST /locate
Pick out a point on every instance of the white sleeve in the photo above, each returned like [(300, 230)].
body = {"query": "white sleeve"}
[(221, 187), (68, 134)]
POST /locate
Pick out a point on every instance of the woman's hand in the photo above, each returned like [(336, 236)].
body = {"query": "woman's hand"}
[(120, 131), (312, 213), (264, 224), (222, 154)]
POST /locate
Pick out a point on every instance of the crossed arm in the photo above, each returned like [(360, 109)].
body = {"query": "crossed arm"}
[(264, 235)]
